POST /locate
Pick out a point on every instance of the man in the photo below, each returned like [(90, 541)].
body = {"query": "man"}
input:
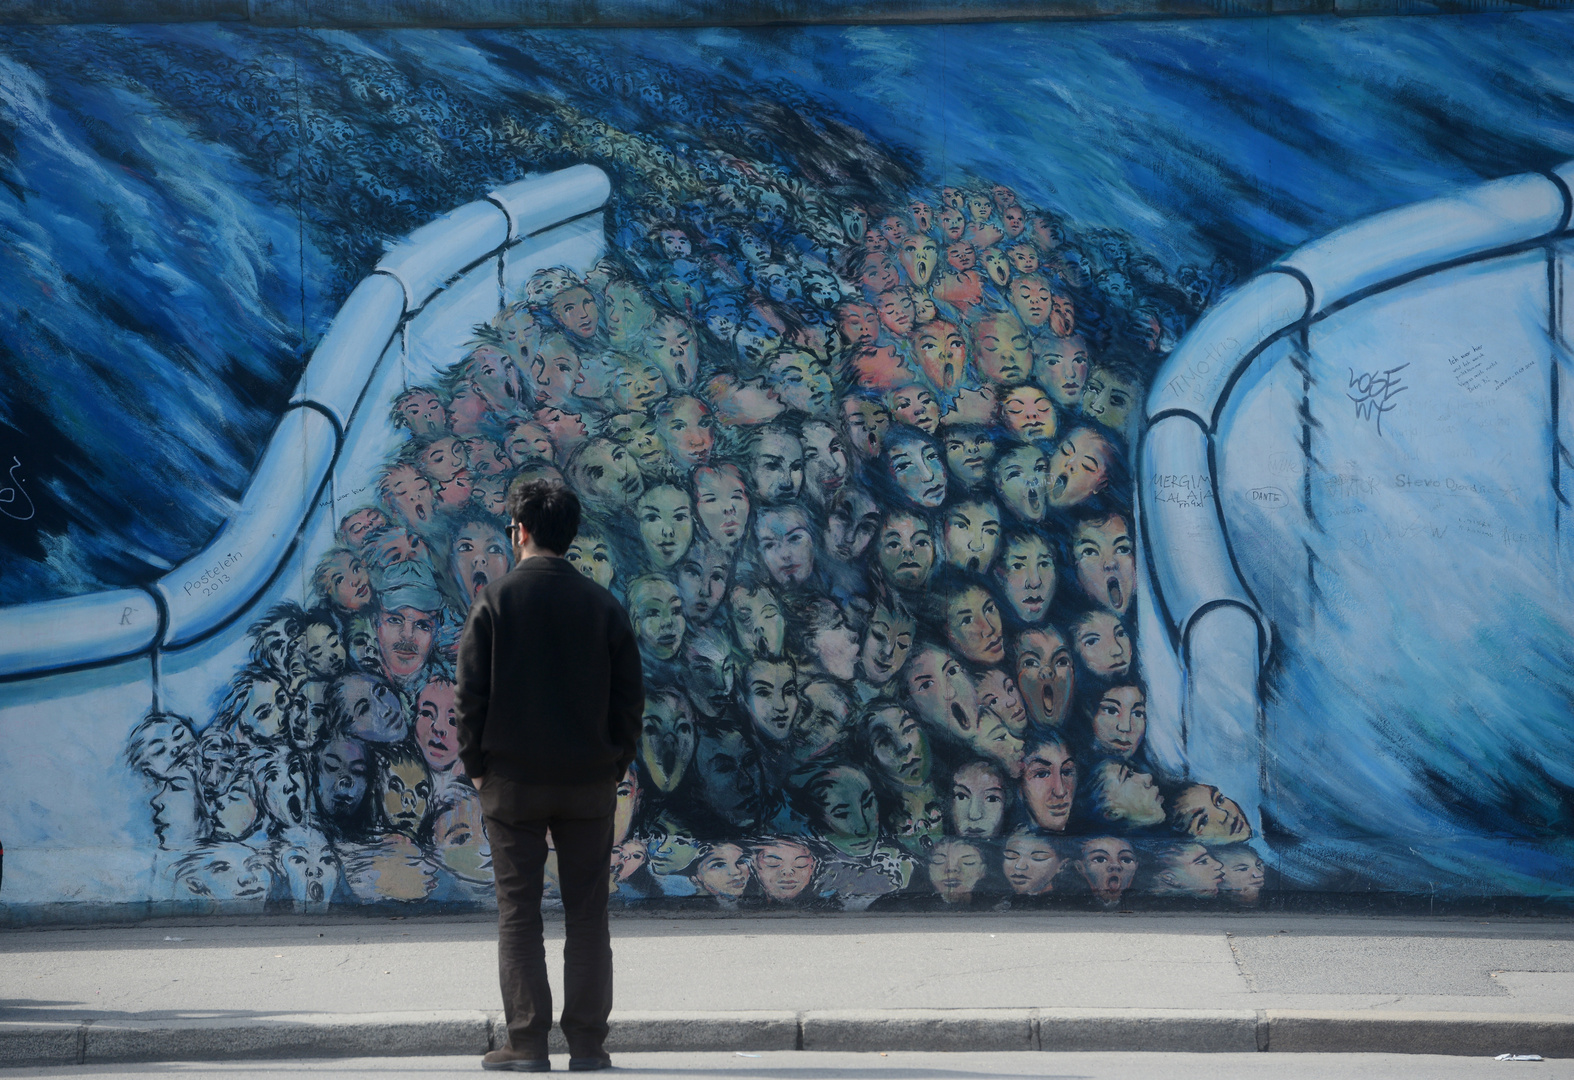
[(550, 696)]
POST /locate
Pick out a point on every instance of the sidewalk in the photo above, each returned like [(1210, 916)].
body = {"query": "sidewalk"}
[(194, 990)]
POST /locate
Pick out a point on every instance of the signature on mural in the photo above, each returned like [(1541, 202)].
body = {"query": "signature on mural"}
[(1374, 393), (14, 499)]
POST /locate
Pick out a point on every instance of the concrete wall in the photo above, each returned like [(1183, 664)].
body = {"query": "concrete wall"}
[(1255, 591)]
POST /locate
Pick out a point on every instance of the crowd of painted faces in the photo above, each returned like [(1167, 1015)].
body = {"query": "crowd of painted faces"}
[(868, 507)]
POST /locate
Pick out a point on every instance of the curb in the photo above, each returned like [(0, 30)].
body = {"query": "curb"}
[(466, 1032)]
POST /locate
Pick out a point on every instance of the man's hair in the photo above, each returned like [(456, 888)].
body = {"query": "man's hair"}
[(548, 510)]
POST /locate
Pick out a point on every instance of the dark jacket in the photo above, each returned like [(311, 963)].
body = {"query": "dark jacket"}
[(550, 688)]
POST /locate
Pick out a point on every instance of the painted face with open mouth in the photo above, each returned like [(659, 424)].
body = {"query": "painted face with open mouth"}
[(1106, 562), (1108, 865), (1021, 476), (478, 556), (942, 353), (1045, 675), (1081, 467), (942, 694), (672, 347)]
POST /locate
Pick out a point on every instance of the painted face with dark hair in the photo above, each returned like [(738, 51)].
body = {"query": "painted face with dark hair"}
[(1026, 576), (437, 725), (907, 551), (657, 610), (1080, 468), (1002, 350), (1203, 811), (859, 324), (978, 801), (710, 672), (972, 534), (666, 525), (702, 581), (973, 625), (728, 769), (1106, 563), (919, 255), (955, 869), (1102, 644), (801, 382), (591, 556), (1061, 368), (607, 473), (784, 868), (575, 310), (776, 466), (637, 434), (671, 346), (1111, 399), (1028, 412), (1049, 785), (342, 771), (915, 466), (422, 413)]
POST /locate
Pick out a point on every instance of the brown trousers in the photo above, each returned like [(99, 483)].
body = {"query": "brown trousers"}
[(580, 817)]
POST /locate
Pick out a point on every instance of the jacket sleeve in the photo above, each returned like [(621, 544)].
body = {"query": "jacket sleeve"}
[(626, 698), (474, 690)]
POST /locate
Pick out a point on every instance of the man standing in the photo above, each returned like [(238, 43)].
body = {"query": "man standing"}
[(550, 696)]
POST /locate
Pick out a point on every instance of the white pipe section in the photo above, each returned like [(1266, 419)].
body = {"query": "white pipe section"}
[(218, 584)]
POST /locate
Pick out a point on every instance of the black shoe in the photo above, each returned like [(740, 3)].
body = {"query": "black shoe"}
[(507, 1058), (589, 1064)]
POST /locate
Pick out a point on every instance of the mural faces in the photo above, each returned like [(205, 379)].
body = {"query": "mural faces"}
[(941, 693), (885, 645), (1203, 812), (702, 581), (1111, 399), (825, 464), (973, 626), (437, 725), (968, 453), (845, 810), (1026, 577), (770, 689), (687, 432), (867, 422), (478, 556), (776, 466), (1001, 350), (404, 640), (1129, 798), (916, 407), (942, 354), (590, 555), (1028, 413), (972, 535)]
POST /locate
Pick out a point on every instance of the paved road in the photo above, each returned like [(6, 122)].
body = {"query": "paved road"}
[(790, 1065), (1502, 966)]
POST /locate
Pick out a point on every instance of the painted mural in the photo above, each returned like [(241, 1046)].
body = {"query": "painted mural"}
[(857, 432)]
